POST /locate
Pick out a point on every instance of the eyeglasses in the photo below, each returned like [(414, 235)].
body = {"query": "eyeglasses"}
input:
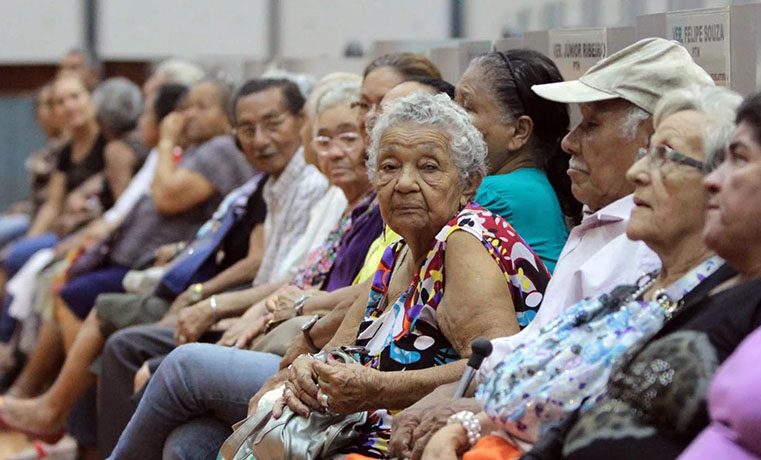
[(363, 106), (346, 142), (271, 125), (658, 155)]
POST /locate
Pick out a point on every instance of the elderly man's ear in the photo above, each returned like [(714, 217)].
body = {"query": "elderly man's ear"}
[(471, 186), (523, 128)]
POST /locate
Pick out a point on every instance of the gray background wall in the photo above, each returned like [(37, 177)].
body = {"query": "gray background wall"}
[(18, 136), (241, 34)]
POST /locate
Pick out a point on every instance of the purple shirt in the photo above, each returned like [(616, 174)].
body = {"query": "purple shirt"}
[(734, 402), (367, 226)]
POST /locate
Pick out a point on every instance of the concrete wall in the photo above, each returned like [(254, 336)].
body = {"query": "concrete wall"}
[(153, 29), (38, 31), (41, 30)]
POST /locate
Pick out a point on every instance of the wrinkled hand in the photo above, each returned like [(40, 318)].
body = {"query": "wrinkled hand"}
[(66, 246), (246, 328), (297, 348), (273, 382), (141, 377), (182, 301), (172, 126), (300, 393), (348, 386), (280, 305), (193, 322), (403, 426), (165, 253), (447, 443), (412, 428)]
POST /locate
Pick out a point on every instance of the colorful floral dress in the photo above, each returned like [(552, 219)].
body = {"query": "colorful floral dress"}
[(406, 336)]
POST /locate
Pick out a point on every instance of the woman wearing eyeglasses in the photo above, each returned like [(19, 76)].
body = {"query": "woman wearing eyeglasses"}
[(545, 381)]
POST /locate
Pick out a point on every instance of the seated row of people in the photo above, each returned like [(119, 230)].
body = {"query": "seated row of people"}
[(398, 218)]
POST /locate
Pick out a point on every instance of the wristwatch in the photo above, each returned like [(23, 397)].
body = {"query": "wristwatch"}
[(298, 305), (196, 292), (308, 327)]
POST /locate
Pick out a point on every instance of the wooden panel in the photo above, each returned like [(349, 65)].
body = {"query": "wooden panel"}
[(136, 71), (24, 79), (16, 79)]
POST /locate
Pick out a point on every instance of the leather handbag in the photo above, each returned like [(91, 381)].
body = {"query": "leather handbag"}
[(90, 260), (292, 436)]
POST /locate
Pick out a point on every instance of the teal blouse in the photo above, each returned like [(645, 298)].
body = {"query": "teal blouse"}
[(526, 199)]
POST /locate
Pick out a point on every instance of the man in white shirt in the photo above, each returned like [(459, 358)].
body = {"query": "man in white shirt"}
[(616, 98)]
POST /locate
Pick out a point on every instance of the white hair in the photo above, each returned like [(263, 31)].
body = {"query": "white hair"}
[(635, 117), (303, 81), (323, 85), (343, 92), (180, 71), (466, 144), (118, 104), (720, 103)]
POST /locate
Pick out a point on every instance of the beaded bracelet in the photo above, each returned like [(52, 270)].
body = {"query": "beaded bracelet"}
[(470, 422)]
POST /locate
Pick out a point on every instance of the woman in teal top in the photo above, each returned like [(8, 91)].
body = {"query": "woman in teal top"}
[(526, 199), (528, 184)]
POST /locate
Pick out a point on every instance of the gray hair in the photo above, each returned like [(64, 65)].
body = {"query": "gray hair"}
[(304, 81), (466, 143), (180, 71), (323, 85), (118, 104), (635, 117), (91, 60), (720, 103), (344, 92)]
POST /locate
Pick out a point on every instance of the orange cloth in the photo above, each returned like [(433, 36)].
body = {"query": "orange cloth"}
[(357, 457), (493, 448)]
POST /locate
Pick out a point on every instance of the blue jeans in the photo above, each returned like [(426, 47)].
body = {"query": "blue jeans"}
[(17, 255), (12, 226), (194, 382), (20, 251)]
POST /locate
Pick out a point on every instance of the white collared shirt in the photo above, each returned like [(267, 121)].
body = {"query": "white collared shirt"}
[(140, 183), (289, 199), (597, 257)]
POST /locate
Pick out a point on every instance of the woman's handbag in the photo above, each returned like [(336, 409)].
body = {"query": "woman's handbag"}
[(292, 436), (90, 260)]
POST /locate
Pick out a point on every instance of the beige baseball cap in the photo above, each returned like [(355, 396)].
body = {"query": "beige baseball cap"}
[(640, 73)]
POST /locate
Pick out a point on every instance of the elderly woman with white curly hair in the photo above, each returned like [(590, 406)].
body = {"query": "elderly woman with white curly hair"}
[(424, 307), (413, 327)]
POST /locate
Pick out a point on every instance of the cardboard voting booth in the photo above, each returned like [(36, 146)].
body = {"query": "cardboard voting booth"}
[(724, 41)]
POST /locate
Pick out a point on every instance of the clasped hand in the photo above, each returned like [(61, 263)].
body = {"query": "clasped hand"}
[(332, 387)]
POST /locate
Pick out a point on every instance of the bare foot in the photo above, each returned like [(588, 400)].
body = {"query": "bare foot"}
[(32, 416), (7, 356), (18, 392)]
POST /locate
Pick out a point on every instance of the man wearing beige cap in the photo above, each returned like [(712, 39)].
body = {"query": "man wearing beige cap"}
[(616, 97)]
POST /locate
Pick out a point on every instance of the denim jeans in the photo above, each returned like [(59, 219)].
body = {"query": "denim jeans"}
[(195, 381), (12, 226), (15, 257), (21, 250), (123, 354)]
